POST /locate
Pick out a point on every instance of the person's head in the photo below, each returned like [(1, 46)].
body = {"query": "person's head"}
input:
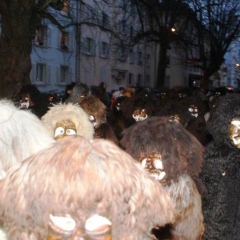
[(30, 95), (103, 86)]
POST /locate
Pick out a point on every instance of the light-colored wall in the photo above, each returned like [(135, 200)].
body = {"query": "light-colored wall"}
[(92, 70)]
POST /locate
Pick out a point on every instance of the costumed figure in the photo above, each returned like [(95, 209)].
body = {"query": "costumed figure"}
[(138, 107), (173, 156), (116, 118), (80, 90), (32, 99), (75, 183), (97, 113), (221, 171), (197, 125), (67, 119), (21, 135)]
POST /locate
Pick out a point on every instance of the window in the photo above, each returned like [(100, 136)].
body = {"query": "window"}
[(122, 54), (104, 50), (64, 40), (41, 36), (105, 20), (131, 31), (89, 46), (41, 72), (64, 74), (122, 4), (90, 14), (65, 9), (130, 78), (139, 79), (133, 10), (168, 60), (131, 56), (122, 27), (140, 58), (147, 80), (148, 60)]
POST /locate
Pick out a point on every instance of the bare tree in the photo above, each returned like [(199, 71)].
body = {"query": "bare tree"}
[(19, 21), (163, 22), (218, 26)]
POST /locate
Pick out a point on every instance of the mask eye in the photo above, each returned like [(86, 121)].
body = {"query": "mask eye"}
[(71, 132), (190, 110), (91, 118), (236, 123), (144, 162), (59, 131), (158, 164)]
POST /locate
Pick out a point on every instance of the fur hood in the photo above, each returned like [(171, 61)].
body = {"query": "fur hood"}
[(180, 150), (21, 134), (228, 108), (70, 111), (80, 178)]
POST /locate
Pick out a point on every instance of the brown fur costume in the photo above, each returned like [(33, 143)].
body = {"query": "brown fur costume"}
[(70, 111), (181, 155), (79, 177), (95, 108)]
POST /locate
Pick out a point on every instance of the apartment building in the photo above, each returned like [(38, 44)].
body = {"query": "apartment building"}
[(96, 48)]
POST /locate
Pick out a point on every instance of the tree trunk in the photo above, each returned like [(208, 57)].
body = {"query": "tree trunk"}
[(162, 64), (15, 46)]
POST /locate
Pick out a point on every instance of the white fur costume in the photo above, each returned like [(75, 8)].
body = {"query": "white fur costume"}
[(21, 135), (70, 111)]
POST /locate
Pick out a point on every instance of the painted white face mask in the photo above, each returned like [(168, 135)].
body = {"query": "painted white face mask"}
[(140, 115), (234, 132), (154, 165), (193, 110)]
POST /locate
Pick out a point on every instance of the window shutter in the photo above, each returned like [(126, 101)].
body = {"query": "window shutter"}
[(109, 50), (83, 45), (49, 37), (57, 74), (100, 48), (48, 75), (59, 34), (94, 47), (70, 75), (33, 73)]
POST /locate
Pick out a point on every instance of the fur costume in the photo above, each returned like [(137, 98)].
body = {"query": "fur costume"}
[(21, 135), (133, 106), (79, 178), (38, 102), (71, 112), (197, 124), (176, 160), (79, 91), (97, 112), (94, 107), (221, 173)]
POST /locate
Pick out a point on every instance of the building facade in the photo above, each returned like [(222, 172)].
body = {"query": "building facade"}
[(94, 47)]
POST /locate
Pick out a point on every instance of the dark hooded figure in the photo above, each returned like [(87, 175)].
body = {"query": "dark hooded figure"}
[(221, 172), (32, 99), (79, 91), (173, 156)]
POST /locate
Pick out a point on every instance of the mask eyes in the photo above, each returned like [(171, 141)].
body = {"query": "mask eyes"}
[(158, 164), (71, 132), (144, 162), (91, 118), (236, 123), (59, 131)]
